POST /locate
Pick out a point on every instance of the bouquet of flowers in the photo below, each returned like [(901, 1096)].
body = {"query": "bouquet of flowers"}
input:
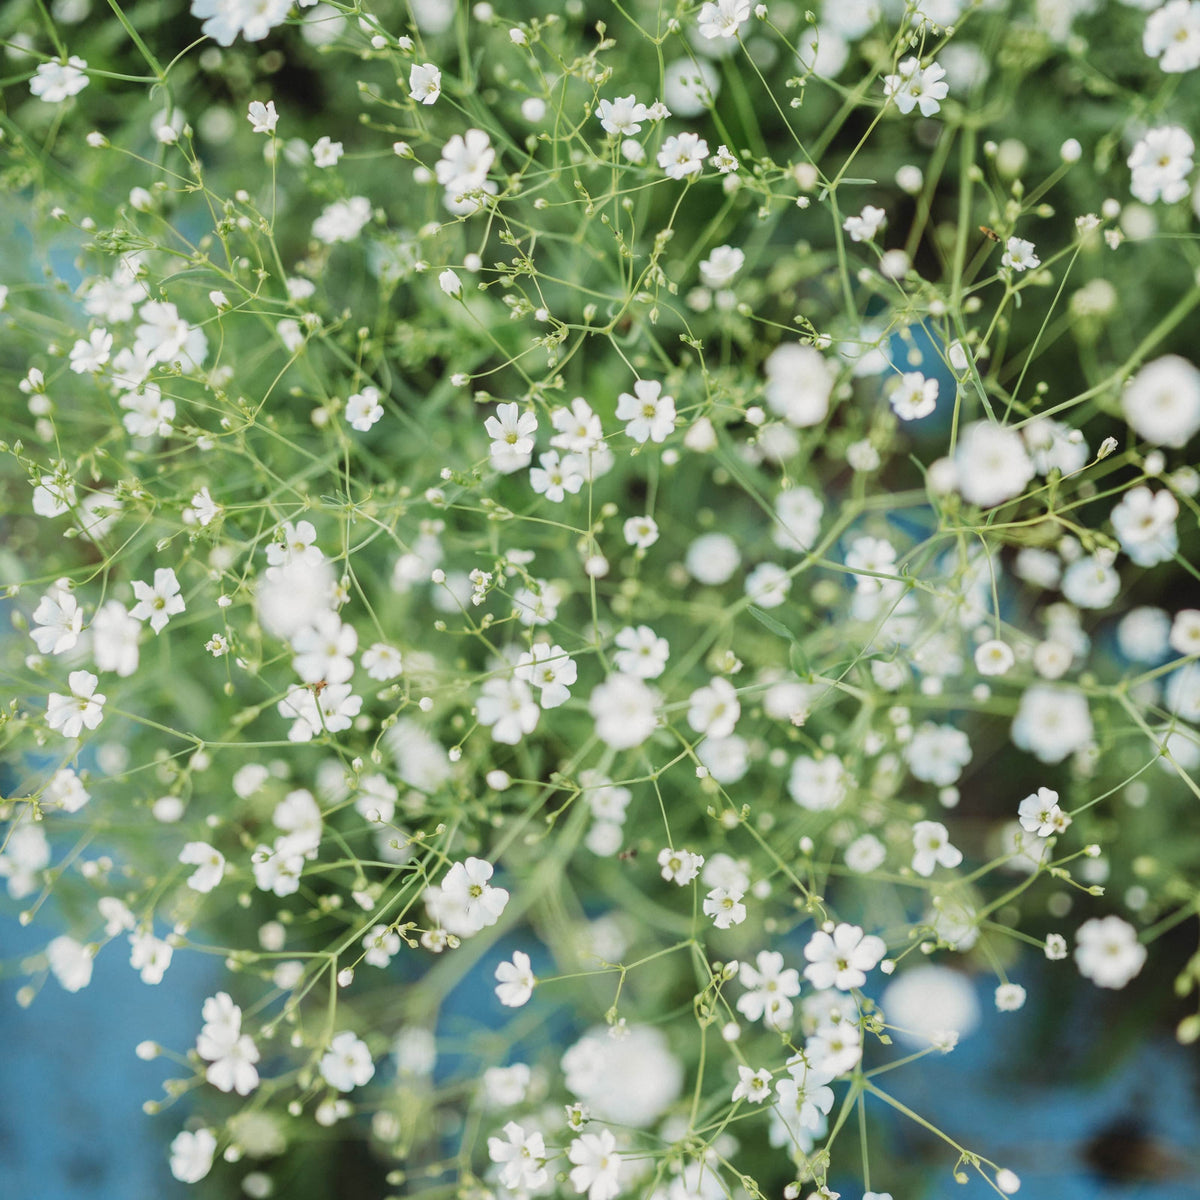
[(609, 561)]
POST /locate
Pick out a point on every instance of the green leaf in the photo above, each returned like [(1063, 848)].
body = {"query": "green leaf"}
[(768, 622)]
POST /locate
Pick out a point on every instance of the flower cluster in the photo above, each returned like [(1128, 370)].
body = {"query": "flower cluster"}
[(659, 526)]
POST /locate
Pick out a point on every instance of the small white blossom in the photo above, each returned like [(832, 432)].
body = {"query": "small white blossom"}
[(913, 86), (363, 409), (932, 848), (262, 117), (347, 1063), (683, 155), (515, 981), (1019, 255), (723, 18), (424, 83)]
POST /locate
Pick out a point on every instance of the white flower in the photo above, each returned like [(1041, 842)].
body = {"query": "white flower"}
[(110, 298), (649, 415), (1107, 951), (65, 791), (150, 956), (1172, 35), (521, 1159), (834, 1049), (262, 117), (865, 853), (53, 82), (799, 384), (806, 1093), (991, 464), (380, 944), (640, 532), (549, 669), (148, 412), (424, 83), (937, 754), (465, 162), (721, 266), (88, 356), (914, 396), (994, 657), (641, 652), (1162, 401), (253, 19), (504, 1087), (1161, 162), (70, 963), (515, 981), (679, 866), (52, 497), (159, 602), (1010, 997), (769, 990), (932, 848), (466, 902), (714, 710), (347, 1063), (555, 477), (725, 907), (1091, 582), (363, 409), (798, 513), (1184, 635), (192, 1153), (725, 162), (817, 784), (753, 1086), (578, 428), (210, 863), (623, 116), (205, 508), (911, 87), (165, 337), (597, 1165), (507, 705), (382, 662), (1052, 723), (511, 431), (1145, 523), (326, 152), (58, 620), (866, 225), (342, 221), (1056, 947), (1018, 254), (723, 18), (1039, 813), (842, 959), (623, 708), (768, 585), (299, 816), (683, 155), (115, 636), (26, 854), (277, 870), (84, 707), (230, 1053), (537, 605)]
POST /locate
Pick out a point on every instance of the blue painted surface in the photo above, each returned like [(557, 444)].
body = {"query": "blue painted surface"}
[(990, 1097), (71, 1087)]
